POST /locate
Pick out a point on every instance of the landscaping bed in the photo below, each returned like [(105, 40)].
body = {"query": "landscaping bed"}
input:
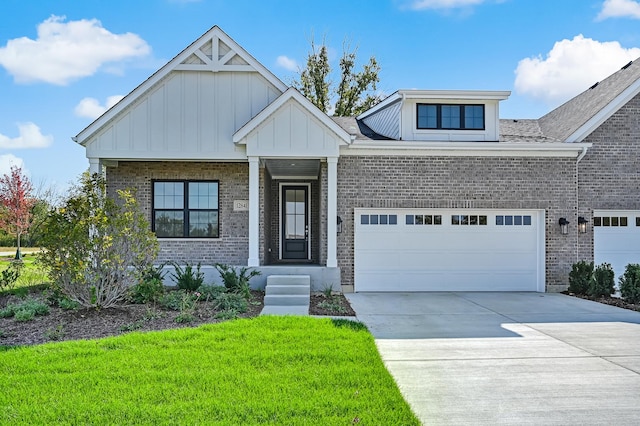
[(609, 300), (73, 324)]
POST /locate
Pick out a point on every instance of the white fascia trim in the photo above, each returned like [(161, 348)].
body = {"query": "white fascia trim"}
[(465, 149), (612, 107), (388, 101), (485, 95), (156, 77), (291, 93)]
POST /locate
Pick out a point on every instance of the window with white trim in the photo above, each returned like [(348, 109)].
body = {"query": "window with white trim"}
[(513, 220), (611, 221), (186, 209), (450, 116), (423, 219), (378, 219), (464, 219)]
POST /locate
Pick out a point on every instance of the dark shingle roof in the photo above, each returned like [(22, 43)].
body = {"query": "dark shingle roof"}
[(358, 128), (563, 121)]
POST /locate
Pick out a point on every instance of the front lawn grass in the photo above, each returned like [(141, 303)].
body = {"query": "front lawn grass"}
[(264, 370)]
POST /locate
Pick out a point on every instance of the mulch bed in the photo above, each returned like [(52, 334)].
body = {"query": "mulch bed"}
[(77, 324), (613, 301)]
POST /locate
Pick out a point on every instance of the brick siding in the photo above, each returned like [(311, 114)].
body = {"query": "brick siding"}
[(547, 184)]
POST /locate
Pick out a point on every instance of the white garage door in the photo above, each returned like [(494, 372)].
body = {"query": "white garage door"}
[(449, 250), (616, 238)]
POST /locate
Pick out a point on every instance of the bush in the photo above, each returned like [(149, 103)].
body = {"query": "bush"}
[(237, 282), (603, 282), (148, 290), (25, 311), (580, 277), (10, 275), (95, 247), (178, 300), (630, 283), (186, 278), (211, 292), (230, 302)]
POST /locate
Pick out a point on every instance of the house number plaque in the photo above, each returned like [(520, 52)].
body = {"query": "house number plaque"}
[(240, 205)]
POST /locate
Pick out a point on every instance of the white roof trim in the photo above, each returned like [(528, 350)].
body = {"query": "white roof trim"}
[(461, 95), (174, 64), (291, 93), (465, 149), (605, 113)]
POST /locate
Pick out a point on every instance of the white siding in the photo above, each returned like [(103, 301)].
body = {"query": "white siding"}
[(410, 129), (188, 115), (386, 122), (292, 131)]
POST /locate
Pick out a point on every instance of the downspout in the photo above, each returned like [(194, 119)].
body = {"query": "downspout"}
[(580, 157)]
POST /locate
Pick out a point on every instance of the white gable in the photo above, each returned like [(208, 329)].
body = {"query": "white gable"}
[(189, 109), (292, 127)]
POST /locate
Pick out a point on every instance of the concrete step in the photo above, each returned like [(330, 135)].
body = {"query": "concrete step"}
[(285, 310), (293, 280), (273, 289), (286, 300)]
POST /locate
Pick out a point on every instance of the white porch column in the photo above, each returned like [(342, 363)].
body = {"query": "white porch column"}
[(332, 211), (254, 212), (95, 166)]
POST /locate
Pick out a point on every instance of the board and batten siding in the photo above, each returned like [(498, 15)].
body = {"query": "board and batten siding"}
[(188, 115), (386, 122), (292, 131)]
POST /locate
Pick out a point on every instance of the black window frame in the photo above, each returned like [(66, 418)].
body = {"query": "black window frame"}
[(185, 209), (463, 125)]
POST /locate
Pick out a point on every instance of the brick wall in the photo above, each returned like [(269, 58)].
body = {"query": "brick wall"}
[(233, 245), (609, 175), (459, 182)]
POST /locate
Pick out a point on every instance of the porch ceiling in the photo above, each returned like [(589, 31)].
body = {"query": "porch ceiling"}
[(293, 168)]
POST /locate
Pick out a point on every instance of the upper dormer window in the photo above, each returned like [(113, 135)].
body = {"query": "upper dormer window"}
[(450, 117)]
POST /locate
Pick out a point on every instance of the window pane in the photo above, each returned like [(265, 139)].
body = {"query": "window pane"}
[(427, 117), (464, 220), (169, 224), (393, 219), (437, 220), (203, 195), (419, 220), (473, 220), (605, 221), (614, 221), (383, 219), (428, 219), (623, 221), (597, 221), (168, 195), (450, 116), (483, 220), (374, 219), (203, 224), (526, 220), (455, 219), (409, 219), (364, 219), (517, 220), (637, 221), (499, 220), (508, 220), (473, 117)]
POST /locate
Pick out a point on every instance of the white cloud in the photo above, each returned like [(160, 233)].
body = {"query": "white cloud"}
[(91, 108), (67, 51), (619, 9), (443, 4), (30, 137), (9, 160), (287, 63), (570, 68)]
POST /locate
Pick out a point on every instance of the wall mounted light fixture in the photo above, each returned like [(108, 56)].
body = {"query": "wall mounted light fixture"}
[(582, 225), (339, 227), (564, 225)]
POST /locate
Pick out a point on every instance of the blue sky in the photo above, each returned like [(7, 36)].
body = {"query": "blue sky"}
[(62, 62)]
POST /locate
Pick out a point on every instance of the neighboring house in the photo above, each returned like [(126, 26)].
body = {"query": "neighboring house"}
[(427, 191)]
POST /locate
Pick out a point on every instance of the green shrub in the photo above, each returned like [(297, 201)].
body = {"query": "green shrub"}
[(154, 272), (580, 277), (185, 318), (211, 292), (187, 278), (237, 282), (630, 283), (178, 300), (55, 334), (10, 275), (148, 290), (25, 311), (603, 283), (23, 315), (228, 314), (230, 301), (67, 304)]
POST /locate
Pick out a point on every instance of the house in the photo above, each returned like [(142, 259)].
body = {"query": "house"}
[(427, 191)]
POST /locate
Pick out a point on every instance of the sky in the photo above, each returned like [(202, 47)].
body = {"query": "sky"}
[(63, 62)]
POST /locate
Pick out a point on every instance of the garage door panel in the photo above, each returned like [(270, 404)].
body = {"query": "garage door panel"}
[(448, 257), (616, 245)]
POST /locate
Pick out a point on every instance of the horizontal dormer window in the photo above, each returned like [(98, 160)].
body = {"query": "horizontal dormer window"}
[(450, 117)]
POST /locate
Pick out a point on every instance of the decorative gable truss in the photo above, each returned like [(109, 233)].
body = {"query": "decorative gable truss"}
[(214, 55)]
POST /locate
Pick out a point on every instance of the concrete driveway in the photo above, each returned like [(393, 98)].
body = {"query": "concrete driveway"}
[(508, 358)]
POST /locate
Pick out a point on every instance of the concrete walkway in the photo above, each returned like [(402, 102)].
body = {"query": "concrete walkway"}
[(508, 358)]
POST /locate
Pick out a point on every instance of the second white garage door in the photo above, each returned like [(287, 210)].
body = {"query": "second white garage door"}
[(449, 250), (616, 238)]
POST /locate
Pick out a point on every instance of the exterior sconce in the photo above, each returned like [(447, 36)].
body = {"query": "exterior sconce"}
[(339, 227), (564, 225), (582, 225)]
